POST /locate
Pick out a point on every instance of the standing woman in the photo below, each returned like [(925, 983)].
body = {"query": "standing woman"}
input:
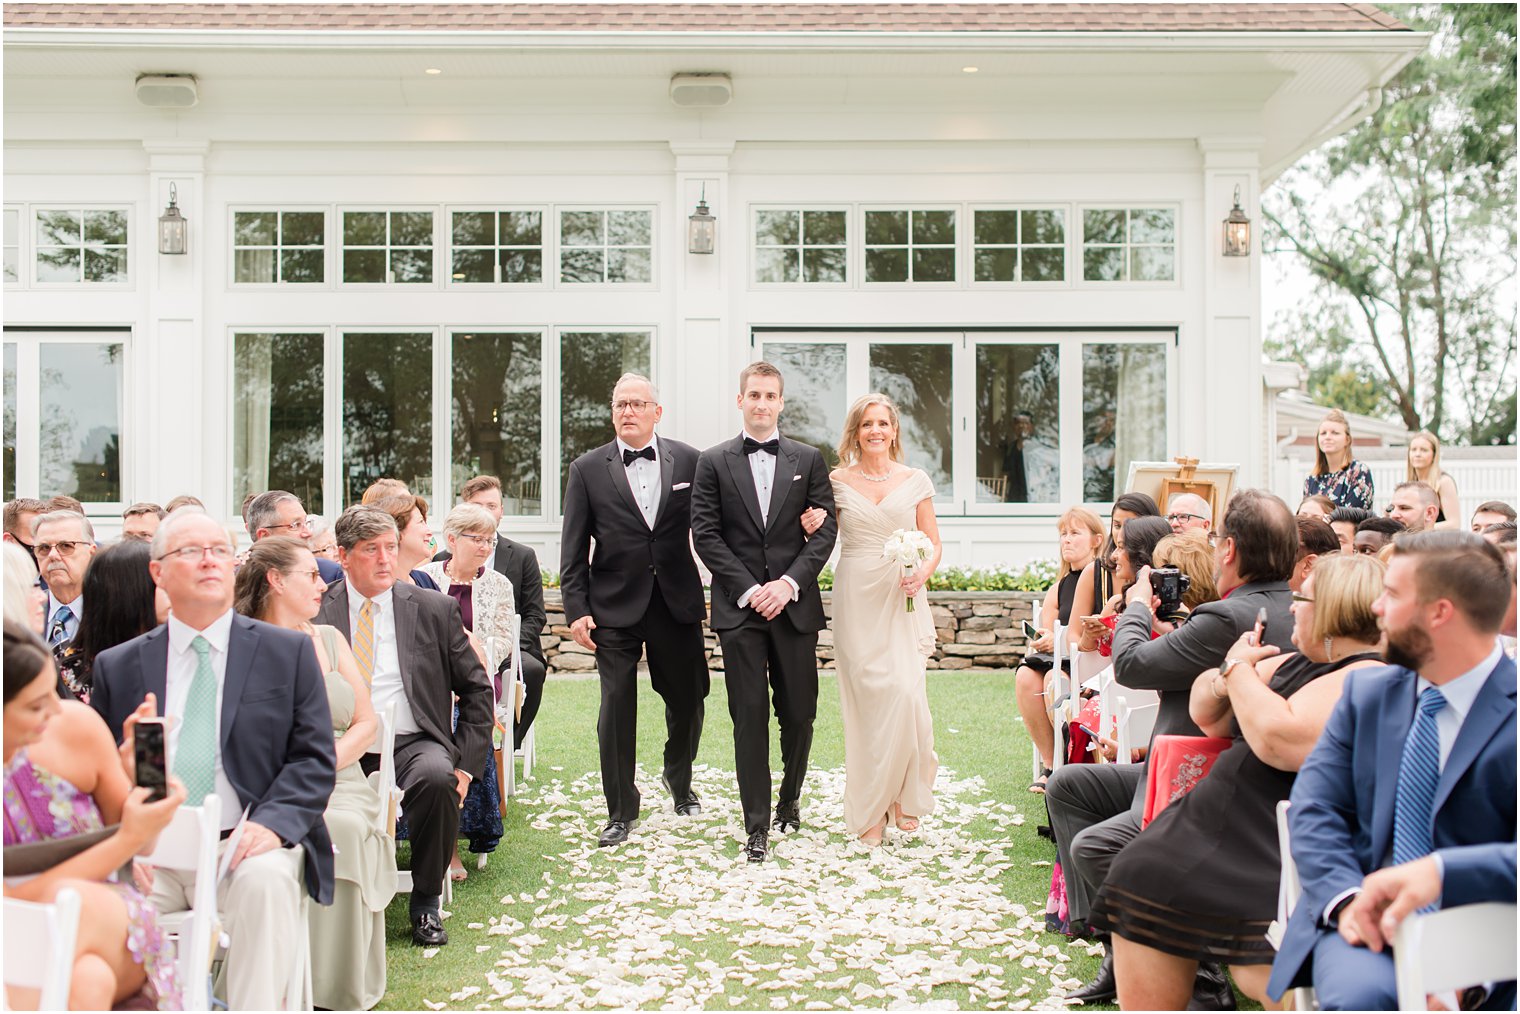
[(1337, 474), (486, 603), (124, 602), (279, 583), (1424, 465), (881, 647)]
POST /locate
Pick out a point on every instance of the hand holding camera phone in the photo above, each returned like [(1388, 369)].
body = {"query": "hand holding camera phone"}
[(150, 755), (1261, 626)]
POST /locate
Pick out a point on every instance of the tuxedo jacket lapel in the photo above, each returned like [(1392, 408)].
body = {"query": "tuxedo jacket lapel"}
[(617, 474), (242, 645), (781, 483), (1396, 720), (1491, 709), (739, 471), (667, 476)]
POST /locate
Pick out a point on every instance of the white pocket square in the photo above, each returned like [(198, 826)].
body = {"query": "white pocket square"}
[(796, 477), (680, 486)]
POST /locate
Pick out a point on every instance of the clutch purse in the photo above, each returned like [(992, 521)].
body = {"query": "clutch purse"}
[(30, 859), (1176, 764)]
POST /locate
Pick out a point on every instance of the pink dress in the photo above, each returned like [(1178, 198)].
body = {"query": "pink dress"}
[(40, 806)]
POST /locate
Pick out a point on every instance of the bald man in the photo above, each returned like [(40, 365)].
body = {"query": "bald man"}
[(1189, 512)]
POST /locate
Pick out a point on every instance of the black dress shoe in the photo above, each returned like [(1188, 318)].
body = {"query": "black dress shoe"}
[(686, 806), (788, 817), (1211, 989), (1101, 988), (757, 847), (427, 930), (615, 833)]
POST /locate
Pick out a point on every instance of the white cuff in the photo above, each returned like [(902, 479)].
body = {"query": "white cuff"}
[(1349, 892), (795, 590), (744, 599)]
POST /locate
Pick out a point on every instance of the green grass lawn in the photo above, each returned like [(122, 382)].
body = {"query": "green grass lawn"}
[(570, 930)]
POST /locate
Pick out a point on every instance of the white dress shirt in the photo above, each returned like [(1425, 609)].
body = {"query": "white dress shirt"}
[(762, 466), (644, 478), (385, 681), (183, 662)]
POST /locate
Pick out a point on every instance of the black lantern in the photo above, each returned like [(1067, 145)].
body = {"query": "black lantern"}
[(173, 228), (702, 231), (1237, 231)]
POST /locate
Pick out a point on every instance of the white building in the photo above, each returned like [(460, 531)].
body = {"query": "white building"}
[(423, 241)]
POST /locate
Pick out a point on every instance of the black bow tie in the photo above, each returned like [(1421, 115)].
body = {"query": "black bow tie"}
[(771, 446), (629, 457)]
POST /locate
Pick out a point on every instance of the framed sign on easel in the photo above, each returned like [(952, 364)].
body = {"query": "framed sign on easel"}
[(1162, 480)]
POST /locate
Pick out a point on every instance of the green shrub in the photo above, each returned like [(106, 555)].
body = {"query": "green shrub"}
[(1036, 576)]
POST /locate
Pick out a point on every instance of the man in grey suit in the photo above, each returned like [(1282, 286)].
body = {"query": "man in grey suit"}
[(412, 649), (1095, 809)]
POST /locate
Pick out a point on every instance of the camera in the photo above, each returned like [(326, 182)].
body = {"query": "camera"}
[(1169, 585)]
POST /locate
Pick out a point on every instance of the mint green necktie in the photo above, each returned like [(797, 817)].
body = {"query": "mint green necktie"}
[(195, 754)]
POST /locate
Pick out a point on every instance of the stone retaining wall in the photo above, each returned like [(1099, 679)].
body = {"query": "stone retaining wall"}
[(976, 631)]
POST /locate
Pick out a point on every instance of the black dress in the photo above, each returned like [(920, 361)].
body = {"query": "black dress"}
[(1201, 880), (1066, 591)]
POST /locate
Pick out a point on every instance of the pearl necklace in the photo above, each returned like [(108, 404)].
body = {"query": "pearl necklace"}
[(872, 478)]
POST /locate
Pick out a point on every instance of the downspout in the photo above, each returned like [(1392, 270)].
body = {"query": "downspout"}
[(1369, 103)]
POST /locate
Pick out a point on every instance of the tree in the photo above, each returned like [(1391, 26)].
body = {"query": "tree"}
[(1406, 226)]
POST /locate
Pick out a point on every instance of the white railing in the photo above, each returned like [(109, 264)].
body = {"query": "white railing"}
[(1493, 476)]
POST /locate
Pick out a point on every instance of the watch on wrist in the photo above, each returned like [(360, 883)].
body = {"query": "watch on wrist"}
[(1229, 663)]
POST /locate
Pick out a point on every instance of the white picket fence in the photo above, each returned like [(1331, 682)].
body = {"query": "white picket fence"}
[(1481, 473)]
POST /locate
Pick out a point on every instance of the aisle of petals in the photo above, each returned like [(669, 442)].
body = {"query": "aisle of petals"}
[(673, 920)]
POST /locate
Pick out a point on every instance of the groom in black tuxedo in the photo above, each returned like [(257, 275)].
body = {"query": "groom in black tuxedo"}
[(746, 507), (639, 591)]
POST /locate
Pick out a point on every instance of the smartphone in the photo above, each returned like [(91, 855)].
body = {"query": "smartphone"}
[(1261, 625), (1030, 632), (150, 751), (1090, 732)]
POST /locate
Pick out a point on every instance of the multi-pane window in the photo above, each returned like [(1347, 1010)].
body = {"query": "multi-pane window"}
[(604, 245), (387, 392), (12, 247), (63, 418), (497, 246), (497, 414), (795, 245), (1019, 245), (10, 422), (1123, 414), (277, 423), (279, 246), (388, 247), (81, 245), (910, 246), (590, 363), (1018, 423), (1129, 244)]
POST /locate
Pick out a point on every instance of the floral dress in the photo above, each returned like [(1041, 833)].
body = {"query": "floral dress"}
[(1350, 487), (40, 806)]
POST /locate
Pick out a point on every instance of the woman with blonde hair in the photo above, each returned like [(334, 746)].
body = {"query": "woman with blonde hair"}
[(1423, 460), (883, 634), (1337, 475), (1190, 553)]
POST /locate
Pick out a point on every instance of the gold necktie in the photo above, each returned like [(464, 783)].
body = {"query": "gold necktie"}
[(364, 641)]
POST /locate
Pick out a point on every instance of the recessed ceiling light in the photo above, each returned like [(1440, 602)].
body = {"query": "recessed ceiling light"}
[(432, 70), (969, 70)]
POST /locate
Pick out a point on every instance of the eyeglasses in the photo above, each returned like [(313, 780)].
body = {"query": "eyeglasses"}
[(634, 406), (295, 526), (1179, 518), (1306, 600), (486, 541), (197, 553), (65, 549)]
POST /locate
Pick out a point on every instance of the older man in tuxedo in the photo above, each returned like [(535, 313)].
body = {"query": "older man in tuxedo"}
[(1417, 760), (639, 591), (248, 722), (412, 649)]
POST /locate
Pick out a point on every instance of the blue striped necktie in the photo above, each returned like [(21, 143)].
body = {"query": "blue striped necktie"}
[(1419, 773), (60, 631)]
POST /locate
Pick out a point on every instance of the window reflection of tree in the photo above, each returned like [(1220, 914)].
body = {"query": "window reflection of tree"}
[(1123, 414), (81, 420), (497, 429), (815, 393), (590, 364), (387, 411), (1010, 380), (295, 418), (919, 379)]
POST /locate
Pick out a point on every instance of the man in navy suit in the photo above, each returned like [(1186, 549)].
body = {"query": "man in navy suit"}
[(1417, 763), (248, 723), (276, 512)]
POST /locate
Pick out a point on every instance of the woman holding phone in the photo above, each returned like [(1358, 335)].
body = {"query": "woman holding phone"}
[(64, 777)]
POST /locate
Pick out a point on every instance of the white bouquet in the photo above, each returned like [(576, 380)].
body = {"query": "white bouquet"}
[(909, 547)]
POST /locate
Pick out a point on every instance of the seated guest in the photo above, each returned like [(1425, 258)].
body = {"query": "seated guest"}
[(25, 601), (279, 584), (249, 722), (412, 649), (1501, 533), (518, 564), (415, 540), (19, 515), (1189, 512), (1190, 553), (1096, 584), (1132, 552), (63, 778), (1316, 541), (323, 545), (1316, 506), (1344, 520), (125, 603), (1081, 535), (485, 605), (1374, 534), (64, 542), (64, 502), (183, 500), (1200, 882), (140, 521), (1490, 512), (1415, 506), (382, 488), (1095, 809), (1418, 758), (277, 512)]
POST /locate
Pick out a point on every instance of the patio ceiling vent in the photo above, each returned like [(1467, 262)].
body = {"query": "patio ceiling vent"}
[(701, 90), (167, 91)]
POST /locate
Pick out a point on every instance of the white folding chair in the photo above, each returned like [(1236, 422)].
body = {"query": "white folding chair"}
[(1061, 693), (189, 844), (1288, 891), (39, 946), (384, 783), (529, 748), (1453, 949)]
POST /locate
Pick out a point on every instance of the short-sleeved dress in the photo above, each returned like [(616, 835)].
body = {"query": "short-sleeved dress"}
[(1201, 880)]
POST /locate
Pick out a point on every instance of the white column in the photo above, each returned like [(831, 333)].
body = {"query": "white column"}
[(699, 369), (1222, 385), (179, 409)]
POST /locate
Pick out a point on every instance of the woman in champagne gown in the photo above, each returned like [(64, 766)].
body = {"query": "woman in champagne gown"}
[(880, 646)]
